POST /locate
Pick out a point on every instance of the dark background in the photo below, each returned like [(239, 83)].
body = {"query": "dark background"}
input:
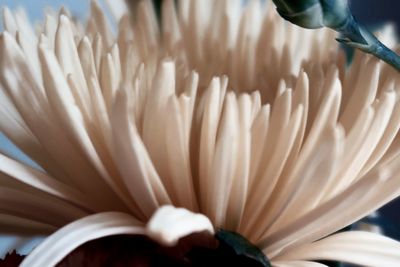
[(374, 12)]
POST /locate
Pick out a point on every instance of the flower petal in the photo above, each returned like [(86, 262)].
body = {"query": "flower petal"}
[(297, 264), (38, 208), (132, 158), (102, 24), (366, 195), (39, 180), (58, 245), (356, 247), (211, 117), (10, 224), (118, 8), (63, 104), (169, 224)]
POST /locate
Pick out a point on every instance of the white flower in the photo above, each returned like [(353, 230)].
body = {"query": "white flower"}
[(230, 113)]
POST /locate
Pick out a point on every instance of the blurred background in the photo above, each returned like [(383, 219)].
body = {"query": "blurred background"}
[(372, 13)]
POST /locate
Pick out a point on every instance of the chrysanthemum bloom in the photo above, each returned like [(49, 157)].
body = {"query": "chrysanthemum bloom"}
[(244, 122)]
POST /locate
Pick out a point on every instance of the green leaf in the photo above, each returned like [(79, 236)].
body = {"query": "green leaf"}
[(242, 247)]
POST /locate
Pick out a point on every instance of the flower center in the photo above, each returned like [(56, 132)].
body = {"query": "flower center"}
[(198, 249)]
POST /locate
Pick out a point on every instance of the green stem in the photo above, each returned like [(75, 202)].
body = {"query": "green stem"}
[(387, 55), (359, 37)]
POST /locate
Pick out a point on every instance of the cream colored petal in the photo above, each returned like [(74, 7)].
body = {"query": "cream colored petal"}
[(352, 143), (163, 86), (118, 8), (300, 97), (19, 226), (25, 25), (326, 117), (146, 28), (31, 55), (39, 180), (208, 134), (17, 131), (68, 58), (280, 116), (239, 192), (98, 50), (50, 28), (169, 224), (61, 243), (9, 22), (31, 103), (177, 145), (38, 208), (27, 39), (225, 162), (361, 248), (133, 161), (63, 104), (363, 94), (102, 23), (109, 81), (317, 176), (259, 132), (388, 137), (170, 29), (366, 195), (361, 147), (270, 183), (245, 58), (296, 263)]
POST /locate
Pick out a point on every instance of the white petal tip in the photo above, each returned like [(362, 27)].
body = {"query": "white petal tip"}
[(64, 20), (6, 36), (169, 224)]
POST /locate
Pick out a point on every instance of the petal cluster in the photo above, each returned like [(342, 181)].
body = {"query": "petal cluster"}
[(222, 110)]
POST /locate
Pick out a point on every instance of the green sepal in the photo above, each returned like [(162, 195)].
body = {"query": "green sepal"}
[(336, 14), (242, 247)]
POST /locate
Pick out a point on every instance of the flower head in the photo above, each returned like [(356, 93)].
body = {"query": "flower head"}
[(224, 112)]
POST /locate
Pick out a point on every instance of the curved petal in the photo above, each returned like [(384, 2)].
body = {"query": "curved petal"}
[(134, 162), (15, 225), (58, 245), (356, 247), (47, 210), (297, 264), (377, 188), (39, 180)]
